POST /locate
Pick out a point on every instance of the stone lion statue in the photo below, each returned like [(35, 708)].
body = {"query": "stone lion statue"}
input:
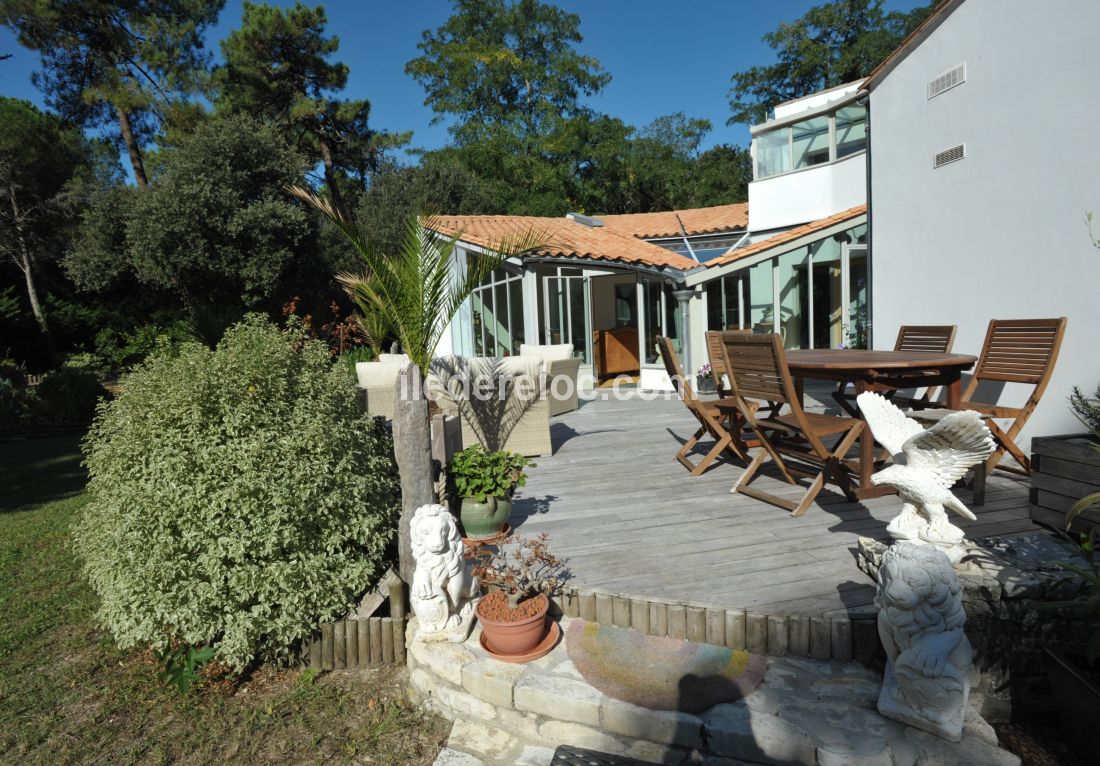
[(920, 622), (443, 589)]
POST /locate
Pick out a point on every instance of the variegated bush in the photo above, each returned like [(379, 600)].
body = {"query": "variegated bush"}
[(239, 496)]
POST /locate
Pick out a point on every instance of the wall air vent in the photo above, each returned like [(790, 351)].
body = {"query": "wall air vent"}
[(947, 156), (947, 81)]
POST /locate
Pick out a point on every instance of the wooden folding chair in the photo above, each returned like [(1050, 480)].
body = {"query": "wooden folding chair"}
[(759, 371), (710, 414), (1015, 351), (717, 355), (912, 337)]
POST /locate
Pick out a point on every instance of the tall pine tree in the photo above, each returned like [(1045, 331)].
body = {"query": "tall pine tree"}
[(126, 62)]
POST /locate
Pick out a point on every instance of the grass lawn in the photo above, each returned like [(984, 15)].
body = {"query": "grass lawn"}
[(67, 695)]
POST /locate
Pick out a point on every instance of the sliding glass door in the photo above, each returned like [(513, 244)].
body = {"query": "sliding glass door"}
[(566, 311)]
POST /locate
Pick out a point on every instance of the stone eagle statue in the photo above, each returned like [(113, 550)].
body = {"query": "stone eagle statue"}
[(926, 463)]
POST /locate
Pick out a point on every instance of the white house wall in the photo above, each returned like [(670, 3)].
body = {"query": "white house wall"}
[(1000, 233), (807, 195)]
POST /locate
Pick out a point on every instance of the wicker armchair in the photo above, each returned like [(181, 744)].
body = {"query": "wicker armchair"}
[(378, 381), (518, 421), (562, 371)]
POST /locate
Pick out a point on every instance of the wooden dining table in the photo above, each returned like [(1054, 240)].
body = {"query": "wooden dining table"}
[(866, 369)]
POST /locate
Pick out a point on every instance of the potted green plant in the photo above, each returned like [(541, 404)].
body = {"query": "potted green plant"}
[(1066, 467), (484, 481), (518, 580), (1072, 667)]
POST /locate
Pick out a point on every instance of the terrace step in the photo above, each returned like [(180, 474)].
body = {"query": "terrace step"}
[(805, 712)]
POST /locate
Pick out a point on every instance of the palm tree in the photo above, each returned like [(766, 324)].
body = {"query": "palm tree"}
[(375, 325), (414, 291)]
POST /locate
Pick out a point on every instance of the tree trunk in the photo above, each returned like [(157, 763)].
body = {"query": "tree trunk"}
[(25, 263), (132, 146), (412, 446), (330, 178)]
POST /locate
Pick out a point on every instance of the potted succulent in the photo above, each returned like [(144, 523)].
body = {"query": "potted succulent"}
[(484, 482), (1066, 467), (1072, 667), (518, 580)]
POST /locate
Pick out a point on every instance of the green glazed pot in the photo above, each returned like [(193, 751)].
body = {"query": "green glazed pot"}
[(481, 520)]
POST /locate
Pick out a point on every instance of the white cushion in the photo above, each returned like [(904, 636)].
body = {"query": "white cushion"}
[(402, 358), (372, 374), (548, 353), (479, 366)]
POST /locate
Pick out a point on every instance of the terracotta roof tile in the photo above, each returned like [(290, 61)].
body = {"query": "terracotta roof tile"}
[(701, 220), (564, 237), (787, 236)]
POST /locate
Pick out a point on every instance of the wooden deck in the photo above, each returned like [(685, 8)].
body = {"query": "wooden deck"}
[(631, 521)]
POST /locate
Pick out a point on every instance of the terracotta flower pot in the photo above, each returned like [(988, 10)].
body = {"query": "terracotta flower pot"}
[(481, 520), (520, 637)]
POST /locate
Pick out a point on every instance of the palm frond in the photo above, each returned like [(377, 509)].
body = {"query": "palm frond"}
[(373, 319), (417, 288), (1082, 505)]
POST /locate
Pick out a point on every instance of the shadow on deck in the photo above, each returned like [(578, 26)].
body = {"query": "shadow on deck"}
[(631, 521)]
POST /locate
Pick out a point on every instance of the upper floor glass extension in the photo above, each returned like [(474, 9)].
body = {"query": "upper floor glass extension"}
[(816, 140)]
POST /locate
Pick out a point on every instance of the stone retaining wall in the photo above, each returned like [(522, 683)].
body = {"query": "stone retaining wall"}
[(806, 712)]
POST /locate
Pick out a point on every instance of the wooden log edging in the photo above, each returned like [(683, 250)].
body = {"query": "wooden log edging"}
[(818, 638), (355, 644), (358, 644)]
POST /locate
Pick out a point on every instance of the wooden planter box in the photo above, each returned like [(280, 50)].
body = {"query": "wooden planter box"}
[(1063, 470)]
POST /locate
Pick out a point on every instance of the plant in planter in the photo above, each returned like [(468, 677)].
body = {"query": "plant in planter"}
[(484, 481), (519, 580), (1072, 666), (704, 381), (1067, 466)]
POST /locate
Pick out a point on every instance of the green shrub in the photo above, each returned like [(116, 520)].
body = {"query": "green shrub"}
[(119, 350), (13, 372), (13, 405), (239, 496), (68, 395)]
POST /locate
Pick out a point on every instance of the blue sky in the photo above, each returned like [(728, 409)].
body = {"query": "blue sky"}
[(664, 56)]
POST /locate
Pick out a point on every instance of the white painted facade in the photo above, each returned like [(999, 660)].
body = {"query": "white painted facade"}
[(1001, 232), (794, 198)]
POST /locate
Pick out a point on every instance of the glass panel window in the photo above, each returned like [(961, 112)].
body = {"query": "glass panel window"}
[(732, 294), (773, 153), (497, 308), (794, 309), (761, 306), (626, 296), (810, 142), (714, 304), (655, 321), (478, 311), (578, 327), (858, 318), (515, 309), (723, 303), (851, 130)]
